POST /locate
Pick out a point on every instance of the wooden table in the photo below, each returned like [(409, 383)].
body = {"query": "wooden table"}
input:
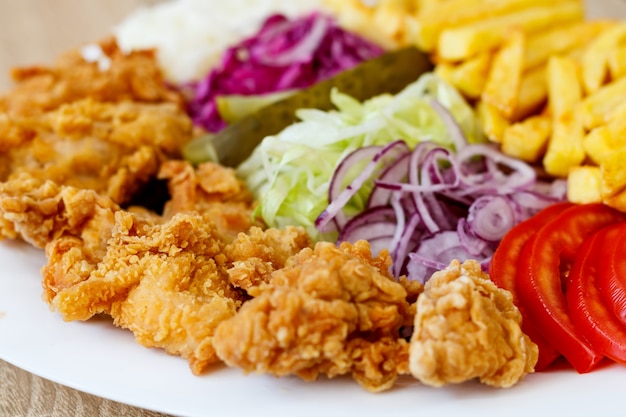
[(36, 31)]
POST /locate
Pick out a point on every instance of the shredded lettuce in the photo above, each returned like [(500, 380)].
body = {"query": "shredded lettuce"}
[(289, 173)]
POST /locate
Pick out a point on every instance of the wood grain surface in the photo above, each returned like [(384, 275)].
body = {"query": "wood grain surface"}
[(34, 32)]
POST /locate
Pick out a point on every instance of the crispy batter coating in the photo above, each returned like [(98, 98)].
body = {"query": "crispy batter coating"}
[(330, 311), (164, 278), (164, 282), (133, 76), (466, 327), (106, 129), (210, 189), (258, 253), (112, 148), (40, 211)]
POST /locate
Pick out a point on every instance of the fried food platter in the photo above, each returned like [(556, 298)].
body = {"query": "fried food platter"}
[(99, 359), (119, 369)]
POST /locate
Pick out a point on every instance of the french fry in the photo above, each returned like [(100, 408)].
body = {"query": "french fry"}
[(564, 87), (596, 108), (504, 79), (599, 144), (584, 185), (390, 17), (617, 62), (613, 175), (462, 42), (560, 40), (596, 56), (491, 121), (565, 146), (422, 6), (433, 20), (604, 140), (527, 139), (358, 17), (468, 77), (532, 93)]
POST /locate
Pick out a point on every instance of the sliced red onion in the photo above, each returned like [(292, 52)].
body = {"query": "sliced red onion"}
[(405, 244), (376, 221), (337, 199), (435, 253), (391, 178), (521, 176), (490, 217), (454, 130), (429, 205)]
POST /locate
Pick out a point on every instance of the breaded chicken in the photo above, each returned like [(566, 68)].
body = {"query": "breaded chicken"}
[(114, 149), (164, 278), (258, 253), (210, 189), (330, 311), (465, 328), (91, 126), (39, 211), (134, 77), (167, 283)]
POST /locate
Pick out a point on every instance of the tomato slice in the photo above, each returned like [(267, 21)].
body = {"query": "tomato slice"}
[(612, 277), (544, 258), (503, 270), (586, 305)]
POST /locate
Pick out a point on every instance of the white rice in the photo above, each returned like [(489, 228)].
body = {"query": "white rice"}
[(190, 35)]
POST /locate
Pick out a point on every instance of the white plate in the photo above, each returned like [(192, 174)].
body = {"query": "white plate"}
[(97, 358)]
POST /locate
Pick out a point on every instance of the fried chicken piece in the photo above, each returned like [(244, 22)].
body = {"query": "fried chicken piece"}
[(40, 211), (133, 76), (79, 123), (113, 149), (164, 278), (258, 253), (466, 327), (212, 190), (329, 311), (167, 283)]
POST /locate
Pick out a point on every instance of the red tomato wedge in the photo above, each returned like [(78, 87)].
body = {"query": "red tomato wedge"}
[(586, 306), (544, 259), (612, 277), (503, 271)]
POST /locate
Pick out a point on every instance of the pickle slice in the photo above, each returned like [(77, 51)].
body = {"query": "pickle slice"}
[(235, 107), (388, 73)]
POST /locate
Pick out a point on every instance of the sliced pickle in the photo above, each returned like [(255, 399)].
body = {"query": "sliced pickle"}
[(233, 108)]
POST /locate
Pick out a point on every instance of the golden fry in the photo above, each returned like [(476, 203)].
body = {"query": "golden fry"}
[(596, 108), (390, 18), (491, 121), (596, 56), (564, 86), (503, 83), (602, 141), (527, 140), (584, 185), (560, 40), (617, 62), (432, 21), (613, 177), (565, 146), (468, 77), (532, 93), (462, 42)]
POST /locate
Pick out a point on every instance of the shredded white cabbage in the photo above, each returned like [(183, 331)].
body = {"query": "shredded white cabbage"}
[(289, 173)]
